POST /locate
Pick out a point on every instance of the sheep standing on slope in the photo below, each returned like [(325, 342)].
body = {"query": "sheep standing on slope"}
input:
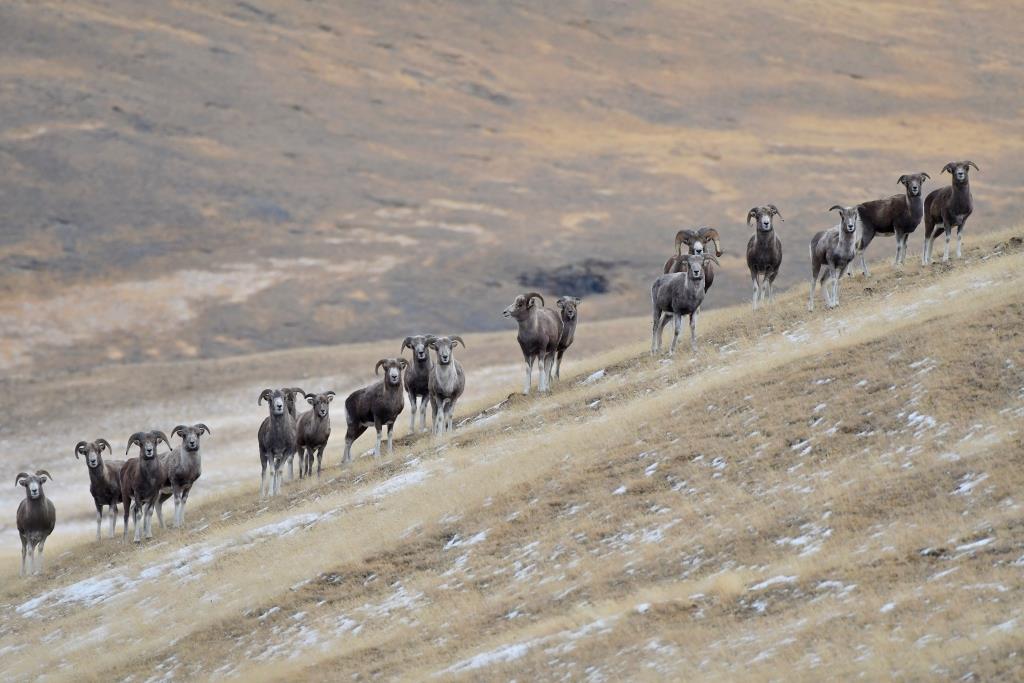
[(183, 467), (832, 251), (948, 207), (764, 253), (696, 242), (276, 439), (36, 517), (104, 480), (674, 295), (142, 480), (568, 307), (312, 432), (417, 377), (539, 331), (379, 404), (897, 215), (293, 412), (446, 383)]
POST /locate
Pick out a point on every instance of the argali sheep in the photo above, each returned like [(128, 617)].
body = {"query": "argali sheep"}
[(568, 307), (416, 378), (142, 480), (290, 403), (104, 480), (832, 251), (312, 432), (674, 295), (540, 329), (764, 253), (378, 404), (276, 439), (36, 517), (696, 242), (948, 207), (183, 466), (446, 383), (897, 215)]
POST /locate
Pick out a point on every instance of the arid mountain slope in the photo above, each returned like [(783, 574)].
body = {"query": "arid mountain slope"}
[(826, 495), (204, 179)]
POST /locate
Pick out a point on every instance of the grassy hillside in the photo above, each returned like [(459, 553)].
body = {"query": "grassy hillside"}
[(808, 496), (204, 179)]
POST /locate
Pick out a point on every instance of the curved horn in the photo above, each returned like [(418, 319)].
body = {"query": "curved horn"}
[(264, 396), (329, 393), (44, 473), (21, 475), (203, 428), (376, 368), (531, 295), (403, 363), (457, 338), (103, 443), (751, 214), (775, 210), (683, 237), (902, 180), (709, 257), (406, 344), (132, 440), (160, 436), (836, 207), (971, 163), (298, 390), (78, 448), (711, 234), (179, 431), (924, 175), (948, 168)]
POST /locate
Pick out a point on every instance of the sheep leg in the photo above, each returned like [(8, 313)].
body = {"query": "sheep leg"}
[(693, 330), (423, 413), (677, 326), (99, 520), (319, 462), (815, 272), (959, 240), (147, 519), (656, 331), (558, 364), (113, 520), (159, 504), (391, 439), (376, 447), (948, 229), (24, 554), (867, 234), (41, 545), (757, 292), (31, 559), (529, 374), (549, 363), (291, 474), (136, 527)]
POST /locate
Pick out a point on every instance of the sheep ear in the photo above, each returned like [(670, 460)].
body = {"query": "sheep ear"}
[(179, 431), (560, 302), (902, 180), (577, 300), (44, 475), (376, 368), (330, 396), (264, 396), (751, 214), (310, 400), (21, 475), (948, 168), (839, 208), (457, 338), (103, 444), (971, 163), (160, 436), (775, 211), (79, 449), (203, 428), (709, 257), (406, 344), (403, 363), (924, 175)]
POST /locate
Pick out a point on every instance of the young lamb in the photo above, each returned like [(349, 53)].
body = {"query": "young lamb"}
[(568, 306), (832, 251), (764, 253), (312, 432), (104, 480), (379, 404), (36, 517), (948, 207), (897, 215), (674, 295), (446, 383)]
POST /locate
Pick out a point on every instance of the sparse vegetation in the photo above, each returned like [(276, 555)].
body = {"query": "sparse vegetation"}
[(829, 495)]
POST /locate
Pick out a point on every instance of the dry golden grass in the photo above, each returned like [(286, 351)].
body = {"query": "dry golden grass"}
[(827, 495)]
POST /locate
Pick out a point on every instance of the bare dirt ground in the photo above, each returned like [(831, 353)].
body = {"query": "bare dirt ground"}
[(826, 495), (185, 179)]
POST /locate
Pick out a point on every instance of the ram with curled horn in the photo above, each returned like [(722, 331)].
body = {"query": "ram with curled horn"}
[(417, 378), (378, 404), (104, 480), (540, 328)]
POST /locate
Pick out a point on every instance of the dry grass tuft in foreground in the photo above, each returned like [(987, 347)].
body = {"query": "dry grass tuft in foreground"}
[(828, 495)]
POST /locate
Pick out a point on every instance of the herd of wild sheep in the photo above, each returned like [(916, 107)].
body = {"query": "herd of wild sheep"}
[(142, 484)]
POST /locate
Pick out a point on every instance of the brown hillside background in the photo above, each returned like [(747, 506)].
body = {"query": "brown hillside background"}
[(206, 179)]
